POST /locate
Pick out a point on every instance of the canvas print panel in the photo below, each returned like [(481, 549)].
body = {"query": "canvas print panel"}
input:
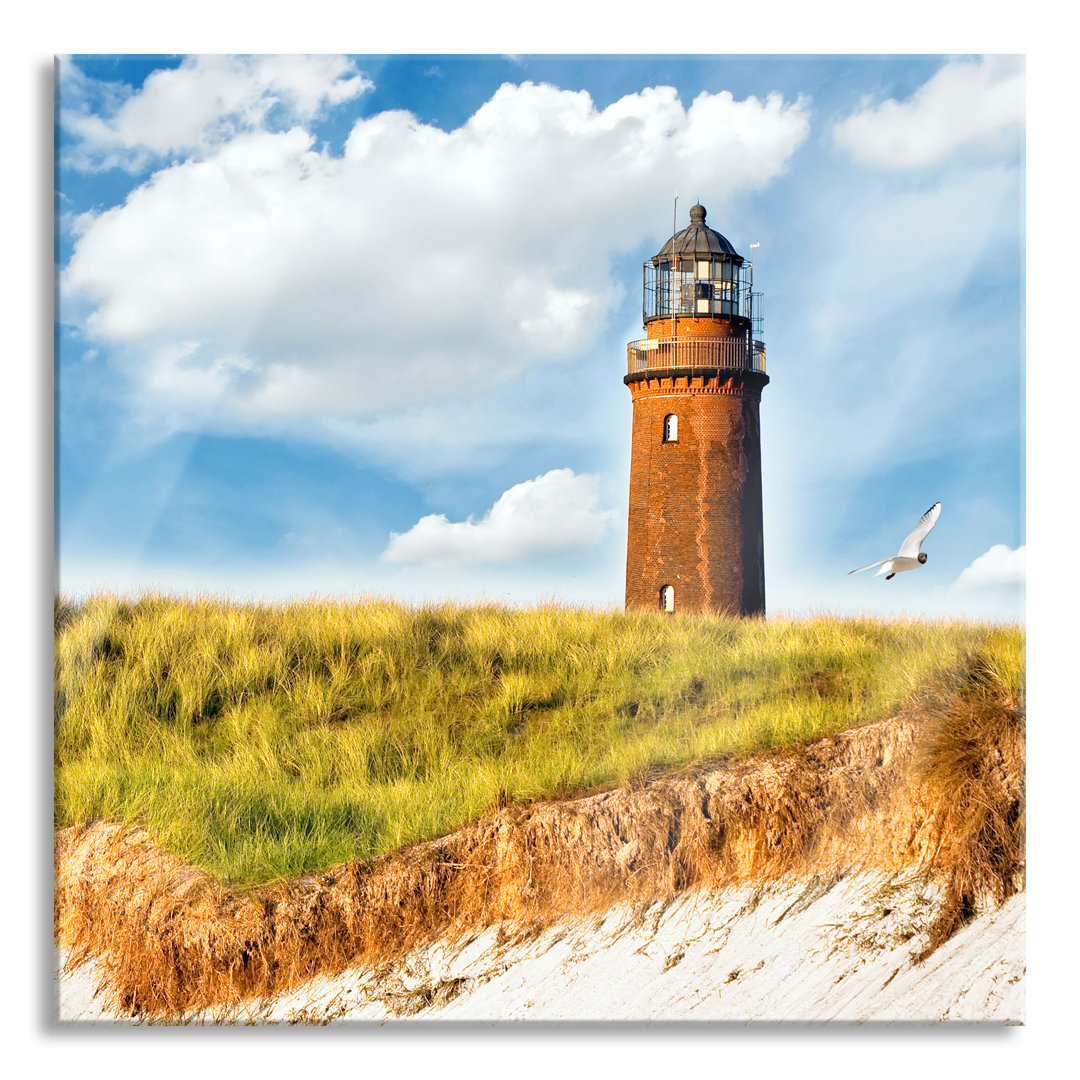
[(540, 538)]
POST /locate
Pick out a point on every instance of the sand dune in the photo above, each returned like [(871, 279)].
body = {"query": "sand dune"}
[(803, 951)]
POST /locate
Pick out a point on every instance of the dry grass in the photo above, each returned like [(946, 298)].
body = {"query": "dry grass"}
[(971, 756), (261, 742), (939, 788)]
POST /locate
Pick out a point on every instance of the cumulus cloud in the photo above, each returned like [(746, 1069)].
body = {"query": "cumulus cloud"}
[(204, 102), (1001, 565), (301, 287), (965, 102), (557, 512)]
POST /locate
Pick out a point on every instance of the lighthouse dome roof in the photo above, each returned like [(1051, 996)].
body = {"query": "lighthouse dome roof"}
[(697, 239)]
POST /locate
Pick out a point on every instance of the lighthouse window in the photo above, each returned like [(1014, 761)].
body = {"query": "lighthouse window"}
[(665, 290), (667, 598), (724, 298), (671, 428)]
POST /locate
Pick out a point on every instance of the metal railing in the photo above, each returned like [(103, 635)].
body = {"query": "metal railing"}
[(651, 354)]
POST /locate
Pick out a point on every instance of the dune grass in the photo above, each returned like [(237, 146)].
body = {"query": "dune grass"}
[(269, 741)]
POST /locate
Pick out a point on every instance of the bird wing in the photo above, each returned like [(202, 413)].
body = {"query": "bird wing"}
[(871, 566), (909, 549)]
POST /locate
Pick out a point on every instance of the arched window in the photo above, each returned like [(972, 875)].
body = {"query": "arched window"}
[(667, 598), (671, 428)]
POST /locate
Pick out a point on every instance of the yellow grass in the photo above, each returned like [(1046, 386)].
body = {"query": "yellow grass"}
[(268, 742)]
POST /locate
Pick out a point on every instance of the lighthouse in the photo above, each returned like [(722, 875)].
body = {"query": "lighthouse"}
[(694, 540)]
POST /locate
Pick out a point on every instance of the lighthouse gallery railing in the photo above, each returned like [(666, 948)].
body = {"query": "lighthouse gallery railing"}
[(651, 354)]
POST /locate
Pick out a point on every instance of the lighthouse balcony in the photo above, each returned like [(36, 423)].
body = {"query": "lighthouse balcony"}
[(695, 354)]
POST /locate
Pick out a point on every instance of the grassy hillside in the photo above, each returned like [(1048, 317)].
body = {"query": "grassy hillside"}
[(267, 741)]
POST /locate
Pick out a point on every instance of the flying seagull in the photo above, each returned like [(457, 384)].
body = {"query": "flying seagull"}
[(910, 556)]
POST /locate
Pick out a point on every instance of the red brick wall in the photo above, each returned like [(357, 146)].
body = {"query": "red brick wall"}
[(695, 504), (697, 326)]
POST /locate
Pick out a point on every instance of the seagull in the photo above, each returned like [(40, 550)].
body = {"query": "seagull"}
[(910, 556)]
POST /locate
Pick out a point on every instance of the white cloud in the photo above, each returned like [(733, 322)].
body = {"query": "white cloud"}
[(420, 264), (1001, 565), (556, 512), (965, 102), (204, 102)]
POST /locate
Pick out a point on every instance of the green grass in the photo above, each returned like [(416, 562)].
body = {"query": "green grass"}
[(267, 741)]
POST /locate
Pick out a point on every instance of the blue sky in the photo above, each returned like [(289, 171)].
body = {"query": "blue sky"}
[(357, 325)]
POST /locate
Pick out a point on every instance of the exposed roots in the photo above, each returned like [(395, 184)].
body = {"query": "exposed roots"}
[(940, 788)]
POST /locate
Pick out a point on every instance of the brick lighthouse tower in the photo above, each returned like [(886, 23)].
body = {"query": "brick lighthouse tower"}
[(695, 532)]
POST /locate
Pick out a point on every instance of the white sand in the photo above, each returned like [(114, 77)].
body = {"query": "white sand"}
[(806, 952)]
